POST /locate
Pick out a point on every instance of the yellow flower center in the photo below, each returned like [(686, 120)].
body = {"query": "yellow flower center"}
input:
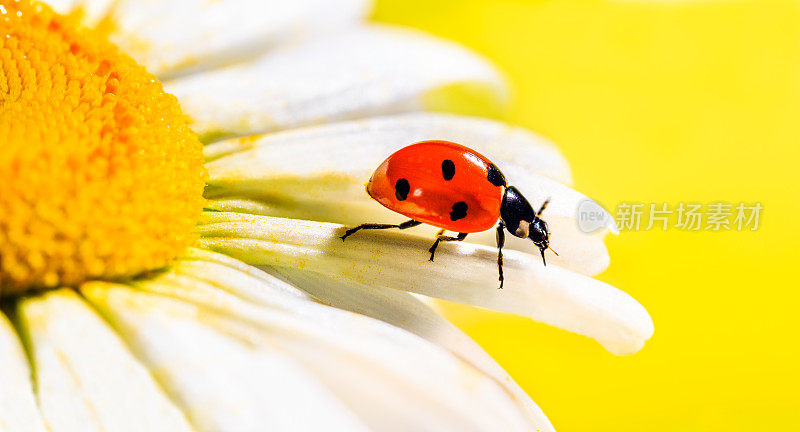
[(100, 175)]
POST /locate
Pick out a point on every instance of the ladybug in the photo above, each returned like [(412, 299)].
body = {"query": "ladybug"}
[(454, 188)]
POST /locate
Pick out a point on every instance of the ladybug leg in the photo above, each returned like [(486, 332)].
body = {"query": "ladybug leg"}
[(432, 250), (443, 238), (544, 206), (501, 240), (404, 225)]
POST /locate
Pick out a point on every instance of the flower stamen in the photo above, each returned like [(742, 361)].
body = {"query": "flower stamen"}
[(100, 175)]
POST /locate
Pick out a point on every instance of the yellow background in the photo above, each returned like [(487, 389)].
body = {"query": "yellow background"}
[(661, 101)]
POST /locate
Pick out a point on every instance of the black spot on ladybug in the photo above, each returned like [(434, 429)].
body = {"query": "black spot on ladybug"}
[(459, 211), (448, 169), (495, 176), (401, 189)]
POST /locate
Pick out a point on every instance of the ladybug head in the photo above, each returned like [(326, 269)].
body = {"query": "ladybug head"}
[(540, 236), (522, 221)]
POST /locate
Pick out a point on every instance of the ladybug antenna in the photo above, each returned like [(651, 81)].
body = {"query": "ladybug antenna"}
[(553, 250)]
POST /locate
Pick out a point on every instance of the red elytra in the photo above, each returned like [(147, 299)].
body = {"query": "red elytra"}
[(440, 183)]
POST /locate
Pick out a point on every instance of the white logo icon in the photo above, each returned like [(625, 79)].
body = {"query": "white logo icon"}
[(592, 217)]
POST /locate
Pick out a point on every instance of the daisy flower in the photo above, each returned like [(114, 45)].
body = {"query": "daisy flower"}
[(151, 283)]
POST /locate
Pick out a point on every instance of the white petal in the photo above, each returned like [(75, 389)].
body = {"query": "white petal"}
[(233, 271), (309, 178), (224, 382), (397, 308), (19, 412), (365, 361), (178, 36), (92, 11), (405, 311), (372, 375), (463, 272), (87, 379), (363, 144), (370, 70)]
